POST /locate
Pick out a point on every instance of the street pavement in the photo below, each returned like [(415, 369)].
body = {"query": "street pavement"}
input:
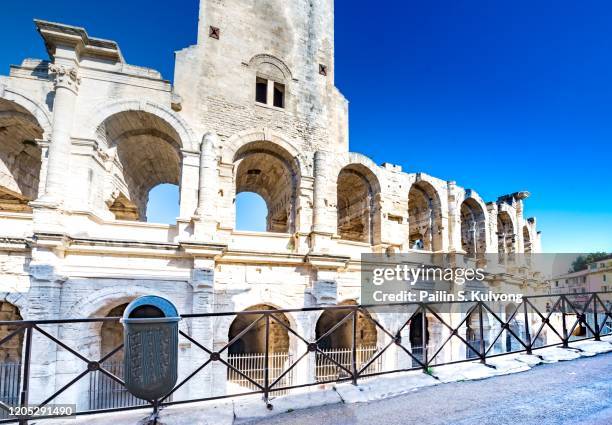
[(573, 392)]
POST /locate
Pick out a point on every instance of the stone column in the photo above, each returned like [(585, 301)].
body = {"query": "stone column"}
[(206, 213), (67, 83)]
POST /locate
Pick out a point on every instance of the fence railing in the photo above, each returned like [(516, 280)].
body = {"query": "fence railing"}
[(249, 367), (544, 321), (10, 374), (333, 364), (106, 393)]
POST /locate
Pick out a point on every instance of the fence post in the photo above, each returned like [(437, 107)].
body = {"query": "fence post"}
[(354, 348), (25, 380), (527, 332), (597, 330), (267, 365), (482, 342), (565, 335), (424, 338)]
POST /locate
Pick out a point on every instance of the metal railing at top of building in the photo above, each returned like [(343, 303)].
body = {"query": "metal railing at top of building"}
[(560, 315)]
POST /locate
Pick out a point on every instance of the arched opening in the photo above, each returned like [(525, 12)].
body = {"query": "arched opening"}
[(251, 212), (357, 189), (473, 228), (506, 237), (337, 343), (419, 337), (425, 217), (472, 333), (163, 204), (10, 356), (247, 352), (20, 157), (104, 392), (146, 154), (269, 171)]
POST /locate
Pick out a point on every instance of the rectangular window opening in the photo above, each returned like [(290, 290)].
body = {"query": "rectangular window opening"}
[(261, 90), (279, 95)]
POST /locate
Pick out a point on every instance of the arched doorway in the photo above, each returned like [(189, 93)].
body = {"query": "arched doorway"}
[(424, 217), (337, 343), (357, 191), (269, 171), (147, 154), (473, 228), (10, 357), (247, 350), (104, 392), (20, 157)]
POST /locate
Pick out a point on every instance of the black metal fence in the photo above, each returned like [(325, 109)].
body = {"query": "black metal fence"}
[(477, 328)]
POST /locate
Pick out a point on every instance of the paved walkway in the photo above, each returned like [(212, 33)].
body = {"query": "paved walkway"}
[(574, 392)]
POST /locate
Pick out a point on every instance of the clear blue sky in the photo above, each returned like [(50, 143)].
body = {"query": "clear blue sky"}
[(499, 96)]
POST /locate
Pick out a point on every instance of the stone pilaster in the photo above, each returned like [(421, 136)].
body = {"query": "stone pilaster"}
[(323, 228)]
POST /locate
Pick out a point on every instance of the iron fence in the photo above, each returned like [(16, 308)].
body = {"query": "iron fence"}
[(559, 316)]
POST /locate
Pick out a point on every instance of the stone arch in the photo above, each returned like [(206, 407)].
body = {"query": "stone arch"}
[(144, 150), (39, 112), (341, 338), (269, 170), (188, 139), (239, 140), (473, 227), (258, 60), (425, 216), (254, 340), (358, 204), (20, 155)]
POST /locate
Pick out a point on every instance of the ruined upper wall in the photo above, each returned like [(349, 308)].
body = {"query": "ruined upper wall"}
[(284, 40)]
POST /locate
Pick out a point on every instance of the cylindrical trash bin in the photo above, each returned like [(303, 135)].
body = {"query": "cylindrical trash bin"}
[(150, 343)]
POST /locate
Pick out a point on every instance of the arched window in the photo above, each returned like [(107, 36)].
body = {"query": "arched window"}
[(251, 212), (20, 157), (146, 153), (473, 228), (424, 217), (357, 196), (527, 240), (269, 171), (271, 81)]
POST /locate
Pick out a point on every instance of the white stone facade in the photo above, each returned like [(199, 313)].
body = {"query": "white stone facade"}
[(85, 136)]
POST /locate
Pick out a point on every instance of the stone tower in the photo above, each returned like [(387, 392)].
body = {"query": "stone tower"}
[(265, 64)]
